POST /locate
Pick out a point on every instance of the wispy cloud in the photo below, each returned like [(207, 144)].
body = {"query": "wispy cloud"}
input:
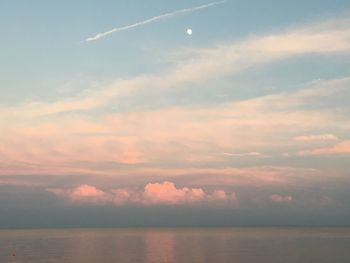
[(340, 148), (166, 136), (248, 154), (204, 65), (153, 19), (318, 137), (79, 143)]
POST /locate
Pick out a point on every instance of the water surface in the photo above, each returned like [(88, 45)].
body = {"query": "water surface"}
[(237, 245)]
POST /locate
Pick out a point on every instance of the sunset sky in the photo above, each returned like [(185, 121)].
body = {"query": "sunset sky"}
[(112, 115)]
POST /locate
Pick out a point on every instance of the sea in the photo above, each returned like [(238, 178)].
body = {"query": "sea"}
[(224, 244)]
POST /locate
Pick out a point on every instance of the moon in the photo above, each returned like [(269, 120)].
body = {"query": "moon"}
[(189, 31)]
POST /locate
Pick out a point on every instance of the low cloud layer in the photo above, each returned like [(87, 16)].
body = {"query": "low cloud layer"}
[(165, 193)]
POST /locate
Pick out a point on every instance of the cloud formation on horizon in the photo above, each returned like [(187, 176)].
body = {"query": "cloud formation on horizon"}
[(165, 193)]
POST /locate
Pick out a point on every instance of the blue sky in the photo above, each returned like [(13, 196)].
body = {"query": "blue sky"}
[(246, 116), (41, 40)]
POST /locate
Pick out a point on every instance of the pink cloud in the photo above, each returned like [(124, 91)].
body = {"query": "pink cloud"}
[(165, 193), (69, 145), (83, 193), (340, 148), (276, 198), (343, 147), (221, 197)]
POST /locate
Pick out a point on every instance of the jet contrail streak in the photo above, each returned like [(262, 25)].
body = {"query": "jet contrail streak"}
[(153, 19)]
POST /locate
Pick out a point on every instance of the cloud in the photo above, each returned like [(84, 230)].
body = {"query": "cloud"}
[(83, 193), (117, 143), (340, 148), (153, 19), (276, 198), (37, 141), (319, 137), (249, 154), (165, 193), (223, 197), (203, 65)]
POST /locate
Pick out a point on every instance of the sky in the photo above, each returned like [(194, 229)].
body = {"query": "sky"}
[(112, 115)]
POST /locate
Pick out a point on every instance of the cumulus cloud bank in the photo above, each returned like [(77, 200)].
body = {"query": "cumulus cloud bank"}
[(165, 193)]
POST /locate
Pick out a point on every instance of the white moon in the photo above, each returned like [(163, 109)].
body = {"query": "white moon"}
[(189, 31)]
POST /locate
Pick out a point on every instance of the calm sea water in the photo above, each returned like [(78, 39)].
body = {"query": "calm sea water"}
[(235, 245)]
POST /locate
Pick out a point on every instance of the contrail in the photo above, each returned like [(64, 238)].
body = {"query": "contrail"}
[(153, 19)]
